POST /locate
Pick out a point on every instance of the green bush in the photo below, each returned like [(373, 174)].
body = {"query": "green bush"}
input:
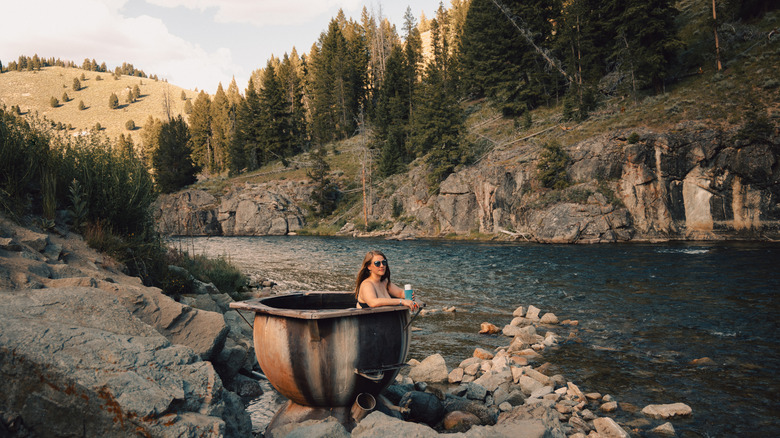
[(113, 101), (219, 271), (553, 162), (633, 138), (82, 107), (54, 102), (130, 125)]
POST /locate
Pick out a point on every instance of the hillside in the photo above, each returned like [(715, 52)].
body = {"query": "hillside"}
[(32, 91)]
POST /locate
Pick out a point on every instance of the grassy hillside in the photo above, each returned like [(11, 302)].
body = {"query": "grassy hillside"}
[(33, 90)]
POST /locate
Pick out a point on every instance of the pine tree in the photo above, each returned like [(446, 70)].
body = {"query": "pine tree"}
[(392, 116), (274, 130), (497, 61), (290, 75), (413, 57), (150, 137), (243, 148), (221, 128), (438, 119), (645, 42), (337, 80), (172, 159), (200, 130), (325, 193), (113, 101)]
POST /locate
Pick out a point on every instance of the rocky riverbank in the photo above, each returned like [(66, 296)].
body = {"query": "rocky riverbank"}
[(88, 351), (693, 182), (500, 394)]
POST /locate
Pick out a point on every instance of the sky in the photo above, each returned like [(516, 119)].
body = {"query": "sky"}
[(194, 44)]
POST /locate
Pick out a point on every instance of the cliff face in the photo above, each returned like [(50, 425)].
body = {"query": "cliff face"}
[(246, 210), (690, 183)]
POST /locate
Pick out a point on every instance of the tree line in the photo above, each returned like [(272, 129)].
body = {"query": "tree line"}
[(519, 55), (36, 63)]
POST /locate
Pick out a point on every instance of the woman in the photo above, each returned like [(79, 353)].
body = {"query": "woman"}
[(373, 287)]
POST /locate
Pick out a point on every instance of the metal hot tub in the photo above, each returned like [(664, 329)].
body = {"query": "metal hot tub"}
[(317, 349)]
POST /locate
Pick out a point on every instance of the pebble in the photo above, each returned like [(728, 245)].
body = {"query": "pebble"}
[(665, 429), (488, 328), (609, 407)]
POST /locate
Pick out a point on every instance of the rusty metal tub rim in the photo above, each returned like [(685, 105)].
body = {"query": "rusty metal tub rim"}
[(340, 304)]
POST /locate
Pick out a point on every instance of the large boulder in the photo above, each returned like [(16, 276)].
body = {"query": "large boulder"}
[(432, 369), (70, 351)]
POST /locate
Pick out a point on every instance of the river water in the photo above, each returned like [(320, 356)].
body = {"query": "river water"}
[(645, 311)]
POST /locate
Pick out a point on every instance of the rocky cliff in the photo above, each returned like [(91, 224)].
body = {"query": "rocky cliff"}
[(693, 182), (88, 351)]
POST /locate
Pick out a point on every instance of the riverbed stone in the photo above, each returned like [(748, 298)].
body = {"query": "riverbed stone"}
[(465, 363), (519, 312), (549, 318), (536, 375), (528, 385), (483, 354), (607, 428), (533, 313), (488, 328), (475, 391), (667, 411), (432, 369), (379, 425), (609, 407), (666, 429), (456, 375), (459, 421)]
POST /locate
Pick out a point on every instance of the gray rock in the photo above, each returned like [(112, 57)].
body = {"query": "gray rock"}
[(667, 411), (317, 429), (379, 425), (476, 391), (607, 428), (432, 369), (36, 241), (80, 350), (533, 313), (9, 244), (666, 429), (528, 385)]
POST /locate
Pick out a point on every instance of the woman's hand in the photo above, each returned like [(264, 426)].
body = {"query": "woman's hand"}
[(412, 305)]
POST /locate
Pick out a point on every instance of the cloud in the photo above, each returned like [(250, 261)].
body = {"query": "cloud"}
[(79, 29), (263, 12)]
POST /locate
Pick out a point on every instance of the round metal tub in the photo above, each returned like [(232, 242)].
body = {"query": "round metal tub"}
[(318, 349)]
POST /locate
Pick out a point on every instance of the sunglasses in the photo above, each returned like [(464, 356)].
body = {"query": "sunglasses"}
[(379, 263)]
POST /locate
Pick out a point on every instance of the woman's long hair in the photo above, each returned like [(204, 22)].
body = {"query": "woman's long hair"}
[(365, 273)]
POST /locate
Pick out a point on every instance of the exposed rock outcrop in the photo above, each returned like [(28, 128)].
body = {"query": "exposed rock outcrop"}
[(86, 350), (693, 182), (247, 210)]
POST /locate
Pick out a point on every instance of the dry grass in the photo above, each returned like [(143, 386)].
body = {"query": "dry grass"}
[(32, 91)]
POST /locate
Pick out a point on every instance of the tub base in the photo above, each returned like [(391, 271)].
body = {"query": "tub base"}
[(294, 414)]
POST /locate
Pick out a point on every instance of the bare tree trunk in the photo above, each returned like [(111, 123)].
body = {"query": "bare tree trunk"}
[(715, 29), (528, 37)]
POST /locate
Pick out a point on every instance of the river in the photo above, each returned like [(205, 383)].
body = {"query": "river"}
[(645, 311)]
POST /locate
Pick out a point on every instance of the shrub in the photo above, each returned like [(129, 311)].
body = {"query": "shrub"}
[(113, 101), (82, 107), (76, 84), (397, 208), (220, 271), (130, 125), (633, 138), (553, 161), (54, 102), (65, 97), (97, 127)]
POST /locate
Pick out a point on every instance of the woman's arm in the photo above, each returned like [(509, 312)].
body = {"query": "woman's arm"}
[(368, 294), (394, 290)]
